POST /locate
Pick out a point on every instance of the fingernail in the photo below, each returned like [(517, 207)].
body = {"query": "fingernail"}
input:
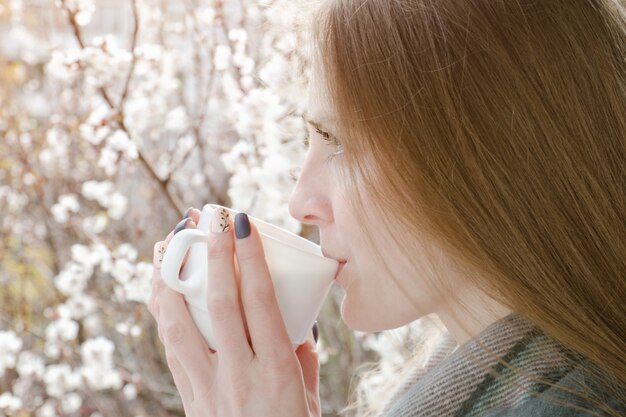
[(180, 226), (242, 225), (187, 213), (219, 221), (316, 331), (159, 253)]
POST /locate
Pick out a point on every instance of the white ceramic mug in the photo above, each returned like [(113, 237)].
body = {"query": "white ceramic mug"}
[(301, 275)]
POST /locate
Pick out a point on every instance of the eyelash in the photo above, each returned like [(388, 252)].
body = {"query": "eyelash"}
[(329, 141)]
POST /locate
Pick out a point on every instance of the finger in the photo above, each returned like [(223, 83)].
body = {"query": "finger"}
[(194, 214), (183, 385), (157, 282), (223, 295), (182, 338), (309, 362), (270, 339), (181, 225), (157, 253), (157, 258)]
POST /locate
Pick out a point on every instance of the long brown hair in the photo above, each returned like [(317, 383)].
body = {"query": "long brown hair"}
[(498, 130)]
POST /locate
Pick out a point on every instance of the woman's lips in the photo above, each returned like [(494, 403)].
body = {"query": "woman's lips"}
[(341, 264)]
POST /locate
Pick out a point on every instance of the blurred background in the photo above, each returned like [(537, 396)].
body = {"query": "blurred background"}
[(115, 116)]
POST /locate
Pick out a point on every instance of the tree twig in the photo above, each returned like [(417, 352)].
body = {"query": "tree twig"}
[(171, 198), (133, 44)]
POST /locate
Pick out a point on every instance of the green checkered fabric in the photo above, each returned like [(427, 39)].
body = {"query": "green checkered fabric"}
[(511, 369)]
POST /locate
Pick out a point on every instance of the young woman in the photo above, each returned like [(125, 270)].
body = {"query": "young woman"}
[(467, 159)]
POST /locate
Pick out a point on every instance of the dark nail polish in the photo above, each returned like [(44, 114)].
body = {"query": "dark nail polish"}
[(180, 226), (316, 332), (242, 225), (187, 213)]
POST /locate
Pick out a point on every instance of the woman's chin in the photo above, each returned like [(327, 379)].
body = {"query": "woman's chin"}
[(363, 315), (357, 316)]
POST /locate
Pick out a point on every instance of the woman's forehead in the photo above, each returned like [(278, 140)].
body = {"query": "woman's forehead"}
[(318, 110)]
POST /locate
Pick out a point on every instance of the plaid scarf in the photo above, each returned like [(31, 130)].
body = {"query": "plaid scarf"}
[(468, 380)]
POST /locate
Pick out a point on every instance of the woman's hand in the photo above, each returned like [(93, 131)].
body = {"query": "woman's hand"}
[(262, 378)]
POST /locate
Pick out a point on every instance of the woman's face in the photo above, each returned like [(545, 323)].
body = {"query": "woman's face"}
[(373, 300)]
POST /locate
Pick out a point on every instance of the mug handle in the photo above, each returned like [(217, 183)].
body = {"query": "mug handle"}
[(173, 260)]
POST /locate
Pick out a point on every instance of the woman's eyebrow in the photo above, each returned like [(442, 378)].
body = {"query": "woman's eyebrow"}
[(307, 119)]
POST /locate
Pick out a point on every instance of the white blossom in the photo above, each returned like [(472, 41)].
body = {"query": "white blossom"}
[(93, 324), (205, 16), (62, 330), (73, 278), (59, 213), (130, 392), (52, 350), (10, 345), (64, 65), (177, 121), (100, 378), (127, 328), (274, 71), (82, 9), (85, 13), (97, 350), (95, 224), (80, 253), (102, 256), (60, 379), (118, 204), (104, 193), (238, 35), (78, 306), (135, 331), (260, 107), (122, 270), (99, 191), (122, 328), (96, 127), (97, 369), (120, 142), (108, 161), (87, 256), (30, 364), (104, 61), (71, 402), (244, 63), (47, 409), (9, 402), (221, 58), (67, 203), (126, 250), (138, 288)]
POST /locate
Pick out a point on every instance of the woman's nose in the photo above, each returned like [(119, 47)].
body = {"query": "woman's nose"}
[(309, 202)]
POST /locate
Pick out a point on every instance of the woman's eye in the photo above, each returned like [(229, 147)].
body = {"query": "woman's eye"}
[(329, 139), (321, 132)]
